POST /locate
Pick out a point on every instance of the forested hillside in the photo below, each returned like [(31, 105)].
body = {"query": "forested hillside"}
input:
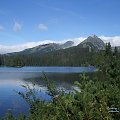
[(74, 56)]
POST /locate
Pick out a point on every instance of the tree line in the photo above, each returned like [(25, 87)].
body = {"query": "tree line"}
[(74, 56)]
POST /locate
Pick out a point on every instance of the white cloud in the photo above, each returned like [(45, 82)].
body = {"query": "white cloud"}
[(1, 28), (17, 27), (42, 27), (115, 41), (17, 48), (77, 40)]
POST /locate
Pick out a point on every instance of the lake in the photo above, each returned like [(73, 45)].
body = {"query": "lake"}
[(12, 79)]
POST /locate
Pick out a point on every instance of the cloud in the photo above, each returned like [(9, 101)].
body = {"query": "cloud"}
[(77, 40), (1, 28), (16, 48), (17, 27), (42, 27), (115, 40)]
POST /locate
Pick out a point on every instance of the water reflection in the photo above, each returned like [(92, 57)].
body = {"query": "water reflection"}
[(9, 99), (11, 80)]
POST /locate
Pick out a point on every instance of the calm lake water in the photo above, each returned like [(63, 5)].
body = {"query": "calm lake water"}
[(12, 79)]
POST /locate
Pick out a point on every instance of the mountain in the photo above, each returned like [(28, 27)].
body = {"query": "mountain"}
[(45, 48), (94, 43), (67, 44)]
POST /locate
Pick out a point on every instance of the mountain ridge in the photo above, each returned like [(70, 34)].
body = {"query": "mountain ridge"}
[(94, 43), (44, 48)]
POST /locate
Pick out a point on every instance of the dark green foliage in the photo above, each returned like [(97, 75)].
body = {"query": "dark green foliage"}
[(1, 60), (108, 49), (21, 117), (52, 90), (74, 56), (9, 116), (115, 51)]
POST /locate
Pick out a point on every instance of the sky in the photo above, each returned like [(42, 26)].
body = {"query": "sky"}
[(27, 23)]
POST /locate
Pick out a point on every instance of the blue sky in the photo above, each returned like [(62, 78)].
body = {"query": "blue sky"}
[(23, 21)]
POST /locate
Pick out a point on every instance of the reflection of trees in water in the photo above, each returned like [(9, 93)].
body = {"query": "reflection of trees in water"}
[(60, 79)]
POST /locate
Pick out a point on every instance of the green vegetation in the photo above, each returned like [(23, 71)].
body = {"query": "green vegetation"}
[(94, 99), (74, 56)]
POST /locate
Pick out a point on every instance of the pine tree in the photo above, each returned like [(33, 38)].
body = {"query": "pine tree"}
[(115, 51), (108, 49)]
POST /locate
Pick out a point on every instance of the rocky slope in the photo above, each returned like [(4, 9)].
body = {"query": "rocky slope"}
[(45, 48), (94, 43)]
